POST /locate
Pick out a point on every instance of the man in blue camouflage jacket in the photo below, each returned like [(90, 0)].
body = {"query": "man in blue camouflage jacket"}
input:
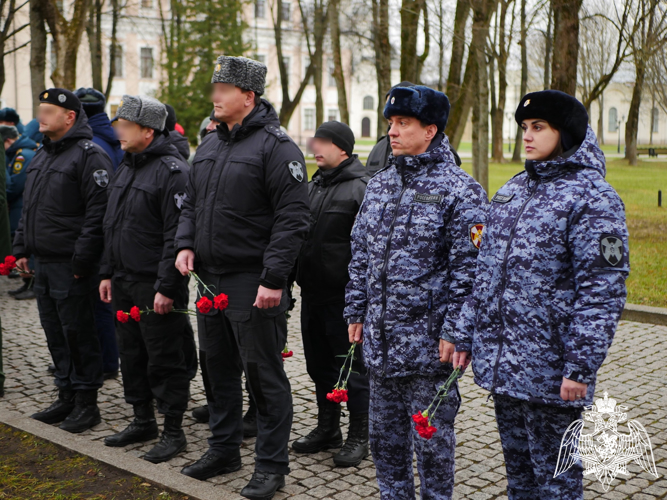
[(414, 247), (549, 292)]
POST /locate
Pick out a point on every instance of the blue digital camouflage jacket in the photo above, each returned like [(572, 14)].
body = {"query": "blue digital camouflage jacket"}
[(550, 283), (414, 246)]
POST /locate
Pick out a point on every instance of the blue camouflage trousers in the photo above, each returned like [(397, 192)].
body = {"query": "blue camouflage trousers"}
[(531, 435), (393, 438)]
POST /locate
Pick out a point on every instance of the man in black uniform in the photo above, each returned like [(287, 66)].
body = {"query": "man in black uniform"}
[(61, 225), (242, 225), (145, 200), (336, 193)]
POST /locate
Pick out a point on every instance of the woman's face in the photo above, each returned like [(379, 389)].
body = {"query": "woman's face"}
[(539, 139)]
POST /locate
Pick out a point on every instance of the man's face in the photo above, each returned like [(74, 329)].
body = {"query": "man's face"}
[(327, 154), (54, 120), (408, 136), (133, 137), (230, 102)]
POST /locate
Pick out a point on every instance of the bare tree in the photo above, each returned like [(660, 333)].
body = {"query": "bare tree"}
[(411, 63), (8, 9), (516, 155), (382, 49), (37, 52), (288, 104), (482, 12), (457, 90), (334, 22), (566, 40), (500, 54), (649, 36)]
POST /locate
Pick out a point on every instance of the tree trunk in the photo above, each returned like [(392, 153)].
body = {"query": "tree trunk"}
[(382, 49), (338, 74), (498, 114), (518, 139), (547, 49), (458, 50), (115, 15), (632, 125), (441, 45), (37, 53), (410, 12), (566, 40), (601, 120), (319, 29), (460, 110), (482, 11), (94, 32)]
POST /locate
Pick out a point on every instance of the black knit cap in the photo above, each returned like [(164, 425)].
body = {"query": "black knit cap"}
[(61, 97), (339, 133), (559, 109), (93, 101)]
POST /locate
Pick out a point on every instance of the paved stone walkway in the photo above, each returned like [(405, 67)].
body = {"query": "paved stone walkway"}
[(635, 373)]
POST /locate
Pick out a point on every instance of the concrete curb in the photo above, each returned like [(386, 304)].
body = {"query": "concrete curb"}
[(118, 458), (645, 314)]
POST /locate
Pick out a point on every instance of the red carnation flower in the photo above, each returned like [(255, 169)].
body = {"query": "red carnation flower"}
[(221, 301), (204, 305), (426, 431), (135, 313), (420, 420), (338, 396), (287, 354), (123, 317), (5, 270), (10, 261)]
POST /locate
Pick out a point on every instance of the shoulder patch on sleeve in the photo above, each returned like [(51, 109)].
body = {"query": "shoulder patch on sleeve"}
[(101, 178), (273, 130), (17, 167), (179, 198), (476, 231), (612, 249), (297, 170)]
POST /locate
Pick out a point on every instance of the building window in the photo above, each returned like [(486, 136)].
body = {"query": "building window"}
[(655, 119), (118, 59), (146, 4), (286, 11), (332, 114), (260, 5), (365, 127), (147, 62), (368, 102), (309, 119), (613, 120), (286, 62)]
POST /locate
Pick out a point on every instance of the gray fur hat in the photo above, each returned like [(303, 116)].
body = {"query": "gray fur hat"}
[(143, 110), (242, 72)]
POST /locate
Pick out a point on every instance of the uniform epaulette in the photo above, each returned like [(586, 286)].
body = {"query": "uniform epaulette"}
[(273, 130), (86, 145), (171, 162)]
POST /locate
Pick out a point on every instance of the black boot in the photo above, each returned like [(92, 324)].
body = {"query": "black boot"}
[(212, 464), (22, 288), (355, 448), (263, 485), (58, 410), (26, 294), (326, 435), (201, 414), (171, 443), (85, 414), (250, 421), (142, 428)]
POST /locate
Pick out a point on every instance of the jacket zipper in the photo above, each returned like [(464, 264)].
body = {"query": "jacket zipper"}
[(211, 215), (383, 278), (503, 281)]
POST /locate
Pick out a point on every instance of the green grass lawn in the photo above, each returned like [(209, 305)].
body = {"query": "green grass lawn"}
[(638, 187)]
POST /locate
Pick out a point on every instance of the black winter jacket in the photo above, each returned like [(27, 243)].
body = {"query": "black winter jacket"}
[(335, 198), (145, 200), (247, 206), (181, 143), (64, 201)]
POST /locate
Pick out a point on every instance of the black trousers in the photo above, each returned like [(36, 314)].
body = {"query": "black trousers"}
[(325, 338), (245, 338), (66, 310), (154, 353)]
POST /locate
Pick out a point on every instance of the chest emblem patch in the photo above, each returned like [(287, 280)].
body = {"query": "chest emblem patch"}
[(476, 231)]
